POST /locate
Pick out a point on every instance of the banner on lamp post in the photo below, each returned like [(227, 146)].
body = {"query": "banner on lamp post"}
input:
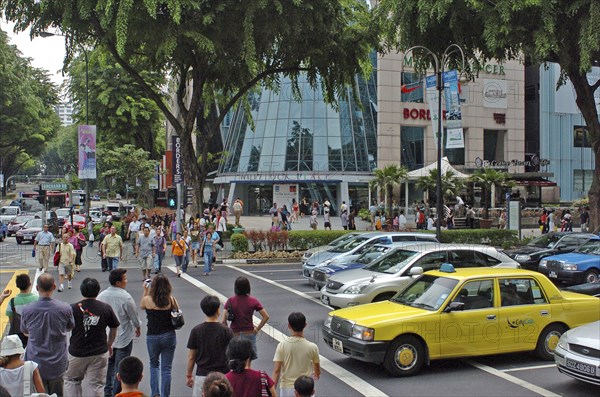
[(177, 166), (454, 130), (432, 99), (86, 166)]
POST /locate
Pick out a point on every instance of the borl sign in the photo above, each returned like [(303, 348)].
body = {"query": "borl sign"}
[(177, 164), (419, 114)]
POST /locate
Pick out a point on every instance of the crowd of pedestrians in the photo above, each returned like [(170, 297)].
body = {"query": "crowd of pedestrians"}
[(84, 349)]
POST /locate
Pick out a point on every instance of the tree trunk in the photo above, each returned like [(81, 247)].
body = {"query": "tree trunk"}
[(586, 103)]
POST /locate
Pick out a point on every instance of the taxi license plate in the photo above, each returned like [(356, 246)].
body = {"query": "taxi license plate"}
[(577, 366), (553, 275), (325, 299), (338, 346)]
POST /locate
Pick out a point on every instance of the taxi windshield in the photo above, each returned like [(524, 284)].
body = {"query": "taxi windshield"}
[(544, 241), (592, 247), (392, 262), (427, 292), (349, 245)]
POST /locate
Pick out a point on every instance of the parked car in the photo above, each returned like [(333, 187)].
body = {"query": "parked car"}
[(29, 231), (579, 266), (355, 247), (321, 275), (78, 221), (340, 240), (577, 353), (529, 256), (97, 217), (8, 213), (451, 313), (385, 276), (17, 223), (3, 231)]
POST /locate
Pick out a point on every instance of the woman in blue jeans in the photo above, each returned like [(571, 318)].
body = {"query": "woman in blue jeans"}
[(207, 252), (160, 338)]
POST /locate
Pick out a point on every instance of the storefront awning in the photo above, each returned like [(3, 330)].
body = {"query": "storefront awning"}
[(534, 182)]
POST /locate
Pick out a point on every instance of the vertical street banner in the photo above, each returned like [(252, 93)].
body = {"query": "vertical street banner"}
[(432, 99), (177, 167), (87, 152), (454, 131)]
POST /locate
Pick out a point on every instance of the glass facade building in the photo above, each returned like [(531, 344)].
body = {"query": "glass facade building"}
[(326, 152)]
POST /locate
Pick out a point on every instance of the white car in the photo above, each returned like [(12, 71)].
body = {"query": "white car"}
[(578, 353), (386, 275), (340, 240)]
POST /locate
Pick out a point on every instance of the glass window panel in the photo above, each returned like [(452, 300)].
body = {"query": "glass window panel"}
[(272, 113), (412, 147), (269, 128), (308, 109), (320, 110), (295, 110), (284, 109)]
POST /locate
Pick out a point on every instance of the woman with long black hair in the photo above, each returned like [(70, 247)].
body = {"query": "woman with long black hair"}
[(245, 381)]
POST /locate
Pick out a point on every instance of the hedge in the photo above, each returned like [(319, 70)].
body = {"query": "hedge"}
[(495, 237), (239, 242), (305, 239)]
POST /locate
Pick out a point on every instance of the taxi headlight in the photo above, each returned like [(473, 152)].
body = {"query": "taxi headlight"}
[(569, 266), (522, 258), (356, 289), (327, 323), (562, 342), (544, 263), (363, 333)]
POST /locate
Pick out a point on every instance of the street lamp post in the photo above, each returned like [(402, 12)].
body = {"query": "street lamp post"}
[(87, 91), (439, 72)]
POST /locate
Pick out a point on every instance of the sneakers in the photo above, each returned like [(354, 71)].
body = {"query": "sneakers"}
[(69, 284), (61, 288)]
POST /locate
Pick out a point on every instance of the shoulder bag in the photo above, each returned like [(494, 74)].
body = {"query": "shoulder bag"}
[(176, 315), (57, 256), (264, 389)]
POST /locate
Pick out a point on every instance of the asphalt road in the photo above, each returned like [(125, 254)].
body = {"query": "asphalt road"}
[(282, 290)]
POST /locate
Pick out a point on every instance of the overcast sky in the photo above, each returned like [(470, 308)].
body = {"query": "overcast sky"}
[(45, 53)]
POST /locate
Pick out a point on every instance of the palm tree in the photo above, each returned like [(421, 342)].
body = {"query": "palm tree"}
[(451, 185), (386, 179), (487, 178)]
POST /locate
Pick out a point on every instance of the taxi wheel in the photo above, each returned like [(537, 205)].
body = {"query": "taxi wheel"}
[(548, 340), (405, 356), (591, 276)]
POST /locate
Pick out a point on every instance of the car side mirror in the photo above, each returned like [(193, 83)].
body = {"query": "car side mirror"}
[(455, 307), (415, 271)]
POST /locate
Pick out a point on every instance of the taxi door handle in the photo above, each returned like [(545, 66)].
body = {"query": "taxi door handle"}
[(491, 317), (544, 313)]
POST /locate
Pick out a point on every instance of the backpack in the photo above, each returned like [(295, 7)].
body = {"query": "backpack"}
[(15, 324)]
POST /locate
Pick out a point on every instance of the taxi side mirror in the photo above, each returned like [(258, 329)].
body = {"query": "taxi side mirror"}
[(455, 307)]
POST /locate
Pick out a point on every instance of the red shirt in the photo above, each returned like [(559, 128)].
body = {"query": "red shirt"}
[(247, 383), (243, 307)]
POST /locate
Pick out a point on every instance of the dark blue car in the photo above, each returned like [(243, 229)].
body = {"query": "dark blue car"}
[(579, 266)]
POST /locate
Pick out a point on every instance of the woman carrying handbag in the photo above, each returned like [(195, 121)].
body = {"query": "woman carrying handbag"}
[(161, 339)]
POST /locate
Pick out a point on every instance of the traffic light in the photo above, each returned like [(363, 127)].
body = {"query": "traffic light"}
[(42, 196), (172, 198), (188, 196)]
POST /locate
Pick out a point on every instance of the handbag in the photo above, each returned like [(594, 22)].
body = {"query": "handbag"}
[(176, 315), (264, 383), (57, 256), (92, 237), (230, 315)]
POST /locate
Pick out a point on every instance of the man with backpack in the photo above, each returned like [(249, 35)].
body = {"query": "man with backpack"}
[(15, 306)]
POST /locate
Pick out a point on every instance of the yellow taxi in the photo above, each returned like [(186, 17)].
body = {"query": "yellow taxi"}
[(459, 313)]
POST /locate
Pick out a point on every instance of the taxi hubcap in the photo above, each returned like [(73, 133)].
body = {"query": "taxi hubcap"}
[(406, 356), (552, 341)]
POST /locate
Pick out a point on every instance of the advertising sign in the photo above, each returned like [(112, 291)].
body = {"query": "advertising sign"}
[(284, 193), (87, 152), (494, 94), (177, 170), (454, 130), (432, 99)]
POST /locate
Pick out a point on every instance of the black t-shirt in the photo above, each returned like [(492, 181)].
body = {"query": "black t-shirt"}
[(210, 340), (92, 317)]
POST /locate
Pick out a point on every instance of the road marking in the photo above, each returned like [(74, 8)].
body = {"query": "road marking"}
[(289, 280), (12, 285), (528, 368), (289, 289), (338, 372), (513, 379)]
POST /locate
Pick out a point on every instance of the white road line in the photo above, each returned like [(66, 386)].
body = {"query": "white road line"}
[(299, 271), (313, 292), (289, 289), (338, 372), (289, 279), (528, 368), (513, 379)]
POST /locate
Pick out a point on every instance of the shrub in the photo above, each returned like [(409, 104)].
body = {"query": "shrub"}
[(305, 239), (256, 237), (239, 242), (364, 214), (494, 237)]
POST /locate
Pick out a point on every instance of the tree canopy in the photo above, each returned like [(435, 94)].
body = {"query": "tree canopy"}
[(216, 50), (563, 31), (27, 116)]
